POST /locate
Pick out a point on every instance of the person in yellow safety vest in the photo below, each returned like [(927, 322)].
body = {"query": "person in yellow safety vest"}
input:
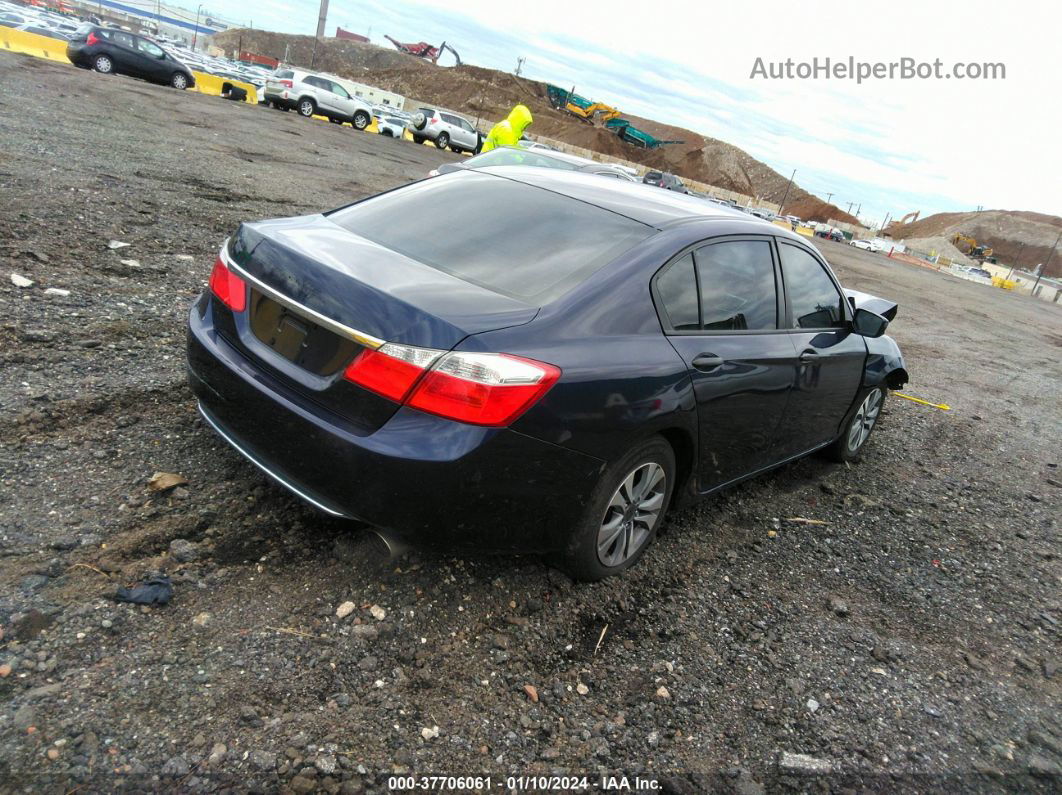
[(507, 132)]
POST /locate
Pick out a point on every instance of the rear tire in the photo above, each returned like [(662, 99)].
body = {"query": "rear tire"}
[(103, 64), (361, 120), (623, 514), (442, 141), (179, 81), (417, 139), (307, 107), (864, 418)]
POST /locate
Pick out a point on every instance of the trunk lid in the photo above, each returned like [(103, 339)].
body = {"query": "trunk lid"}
[(319, 295)]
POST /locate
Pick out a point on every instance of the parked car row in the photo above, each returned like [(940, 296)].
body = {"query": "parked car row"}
[(37, 20), (536, 158)]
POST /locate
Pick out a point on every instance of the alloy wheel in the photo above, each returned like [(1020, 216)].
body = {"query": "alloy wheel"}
[(631, 514), (103, 64), (863, 421), (180, 81)]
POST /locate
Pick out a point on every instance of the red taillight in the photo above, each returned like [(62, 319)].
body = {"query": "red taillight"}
[(230, 289), (478, 388), (92, 39), (390, 370), (287, 84)]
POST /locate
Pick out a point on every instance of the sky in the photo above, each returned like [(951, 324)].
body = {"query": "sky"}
[(884, 145)]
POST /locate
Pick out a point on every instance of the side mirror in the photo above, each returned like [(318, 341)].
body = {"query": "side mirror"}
[(867, 324)]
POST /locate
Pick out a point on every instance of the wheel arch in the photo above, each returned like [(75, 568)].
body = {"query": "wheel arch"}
[(685, 450)]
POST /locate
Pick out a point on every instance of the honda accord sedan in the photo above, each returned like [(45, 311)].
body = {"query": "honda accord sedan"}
[(552, 377)]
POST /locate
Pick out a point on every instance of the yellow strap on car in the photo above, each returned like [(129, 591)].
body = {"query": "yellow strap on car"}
[(941, 406)]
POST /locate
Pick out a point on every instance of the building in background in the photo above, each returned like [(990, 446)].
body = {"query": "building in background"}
[(158, 19)]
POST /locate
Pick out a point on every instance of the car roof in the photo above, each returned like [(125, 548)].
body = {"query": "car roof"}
[(643, 203)]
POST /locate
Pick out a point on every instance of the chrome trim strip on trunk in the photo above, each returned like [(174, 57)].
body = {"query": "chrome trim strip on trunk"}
[(360, 337), (278, 478)]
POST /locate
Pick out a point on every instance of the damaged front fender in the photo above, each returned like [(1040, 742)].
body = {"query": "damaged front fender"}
[(885, 364)]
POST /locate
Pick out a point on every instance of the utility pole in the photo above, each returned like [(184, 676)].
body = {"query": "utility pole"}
[(828, 197), (785, 195), (1017, 259), (1046, 265), (850, 207), (519, 65), (322, 18), (195, 35)]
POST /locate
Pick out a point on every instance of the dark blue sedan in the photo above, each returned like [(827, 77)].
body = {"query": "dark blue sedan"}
[(529, 359)]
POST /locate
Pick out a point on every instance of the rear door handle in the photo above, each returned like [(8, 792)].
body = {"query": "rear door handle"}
[(808, 357), (707, 361)]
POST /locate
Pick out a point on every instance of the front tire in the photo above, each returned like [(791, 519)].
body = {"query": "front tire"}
[(179, 81), (103, 64), (442, 141), (307, 107), (623, 514), (850, 444), (361, 120)]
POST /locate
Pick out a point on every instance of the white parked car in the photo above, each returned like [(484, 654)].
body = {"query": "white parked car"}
[(866, 245), (391, 126), (445, 130), (314, 95)]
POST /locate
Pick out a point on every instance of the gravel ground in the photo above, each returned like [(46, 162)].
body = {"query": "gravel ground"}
[(909, 643)]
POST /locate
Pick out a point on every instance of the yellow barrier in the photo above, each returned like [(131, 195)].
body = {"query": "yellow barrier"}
[(806, 231), (211, 84), (55, 50), (33, 44)]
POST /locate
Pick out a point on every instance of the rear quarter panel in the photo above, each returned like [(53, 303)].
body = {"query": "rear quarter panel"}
[(622, 381)]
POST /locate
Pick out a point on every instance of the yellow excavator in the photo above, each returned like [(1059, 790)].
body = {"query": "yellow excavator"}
[(580, 107), (968, 245)]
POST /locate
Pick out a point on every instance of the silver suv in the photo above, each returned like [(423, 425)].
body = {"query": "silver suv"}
[(445, 129), (311, 94)]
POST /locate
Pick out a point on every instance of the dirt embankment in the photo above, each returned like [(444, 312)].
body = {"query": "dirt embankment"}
[(489, 94), (1018, 237)]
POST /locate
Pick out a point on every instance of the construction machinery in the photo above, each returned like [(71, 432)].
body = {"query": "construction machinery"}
[(630, 134), (423, 49), (580, 107), (968, 246)]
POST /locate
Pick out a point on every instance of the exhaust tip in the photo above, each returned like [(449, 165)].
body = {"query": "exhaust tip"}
[(388, 544)]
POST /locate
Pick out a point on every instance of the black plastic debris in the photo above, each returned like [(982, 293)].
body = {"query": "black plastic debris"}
[(155, 591)]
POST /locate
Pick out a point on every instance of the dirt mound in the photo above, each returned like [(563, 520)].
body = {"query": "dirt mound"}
[(1018, 237), (938, 245), (489, 94)]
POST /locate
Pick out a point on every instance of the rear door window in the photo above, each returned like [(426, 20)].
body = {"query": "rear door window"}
[(122, 38), (532, 262), (148, 48), (814, 301), (737, 286)]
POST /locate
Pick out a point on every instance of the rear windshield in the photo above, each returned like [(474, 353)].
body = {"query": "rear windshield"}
[(524, 242), (284, 74), (654, 175)]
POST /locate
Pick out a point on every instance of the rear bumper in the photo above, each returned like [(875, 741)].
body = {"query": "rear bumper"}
[(431, 481), (278, 99)]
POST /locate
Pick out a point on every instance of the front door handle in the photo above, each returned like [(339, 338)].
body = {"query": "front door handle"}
[(808, 357), (707, 361)]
